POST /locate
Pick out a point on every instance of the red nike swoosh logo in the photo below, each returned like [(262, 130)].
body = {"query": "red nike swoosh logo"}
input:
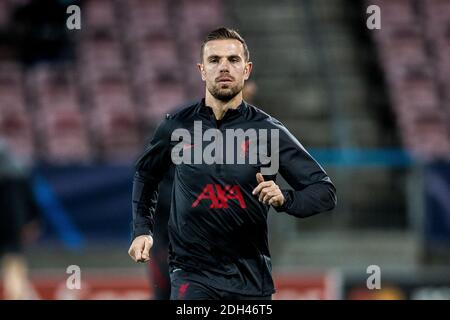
[(245, 146)]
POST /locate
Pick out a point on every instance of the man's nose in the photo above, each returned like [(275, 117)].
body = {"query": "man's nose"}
[(224, 65)]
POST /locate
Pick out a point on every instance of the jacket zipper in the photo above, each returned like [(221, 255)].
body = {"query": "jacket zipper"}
[(217, 165)]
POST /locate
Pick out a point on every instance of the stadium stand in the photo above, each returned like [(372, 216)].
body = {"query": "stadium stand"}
[(88, 100)]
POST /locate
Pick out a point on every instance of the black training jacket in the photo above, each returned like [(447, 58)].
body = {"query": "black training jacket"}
[(217, 228)]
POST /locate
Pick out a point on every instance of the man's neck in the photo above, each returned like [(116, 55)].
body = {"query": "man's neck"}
[(220, 107)]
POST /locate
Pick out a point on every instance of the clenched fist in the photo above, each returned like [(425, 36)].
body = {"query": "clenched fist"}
[(140, 248), (269, 192)]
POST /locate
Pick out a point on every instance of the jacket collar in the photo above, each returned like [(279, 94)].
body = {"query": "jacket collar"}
[(202, 108)]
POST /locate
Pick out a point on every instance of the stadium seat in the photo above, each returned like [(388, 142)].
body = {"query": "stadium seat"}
[(98, 15), (64, 136), (160, 99), (52, 86), (200, 16), (99, 58), (114, 122), (144, 18), (428, 138), (396, 12), (154, 55), (15, 127)]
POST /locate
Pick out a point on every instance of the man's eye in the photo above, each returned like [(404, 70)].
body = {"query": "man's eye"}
[(213, 60)]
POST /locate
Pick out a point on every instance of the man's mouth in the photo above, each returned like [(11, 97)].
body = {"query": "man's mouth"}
[(224, 79)]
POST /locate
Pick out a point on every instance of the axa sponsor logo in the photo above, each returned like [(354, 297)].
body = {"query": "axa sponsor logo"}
[(218, 196)]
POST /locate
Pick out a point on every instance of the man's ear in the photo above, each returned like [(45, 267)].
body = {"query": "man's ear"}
[(248, 70), (202, 70)]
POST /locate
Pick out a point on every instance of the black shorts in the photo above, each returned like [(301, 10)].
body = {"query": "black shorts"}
[(183, 287)]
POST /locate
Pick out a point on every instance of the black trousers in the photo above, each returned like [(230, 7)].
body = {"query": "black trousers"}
[(11, 216), (159, 271), (184, 288)]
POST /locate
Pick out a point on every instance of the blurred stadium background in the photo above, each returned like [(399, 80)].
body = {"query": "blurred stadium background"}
[(373, 106)]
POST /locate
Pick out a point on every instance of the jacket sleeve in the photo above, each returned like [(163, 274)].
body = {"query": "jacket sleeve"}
[(150, 169), (313, 191)]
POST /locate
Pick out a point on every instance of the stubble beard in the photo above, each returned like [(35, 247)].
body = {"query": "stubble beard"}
[(225, 94)]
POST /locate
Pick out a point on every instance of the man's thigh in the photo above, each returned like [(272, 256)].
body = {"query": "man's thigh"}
[(184, 288)]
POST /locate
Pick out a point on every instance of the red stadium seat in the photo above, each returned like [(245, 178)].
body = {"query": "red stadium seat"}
[(52, 86), (98, 15), (405, 49), (100, 57), (154, 56), (144, 18), (160, 99), (421, 91), (396, 12), (11, 95), (15, 127), (428, 138), (64, 136), (114, 122), (200, 16)]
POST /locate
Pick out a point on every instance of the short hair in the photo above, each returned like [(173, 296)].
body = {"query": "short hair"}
[(223, 33)]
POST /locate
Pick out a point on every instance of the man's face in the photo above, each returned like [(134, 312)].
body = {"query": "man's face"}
[(224, 68)]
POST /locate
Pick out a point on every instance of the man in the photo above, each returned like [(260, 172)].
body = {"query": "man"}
[(19, 221), (158, 266), (222, 190)]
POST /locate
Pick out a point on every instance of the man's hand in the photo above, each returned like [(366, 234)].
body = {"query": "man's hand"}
[(140, 248), (269, 192)]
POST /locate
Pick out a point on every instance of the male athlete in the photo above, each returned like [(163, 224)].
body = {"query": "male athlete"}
[(226, 155), (158, 266)]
